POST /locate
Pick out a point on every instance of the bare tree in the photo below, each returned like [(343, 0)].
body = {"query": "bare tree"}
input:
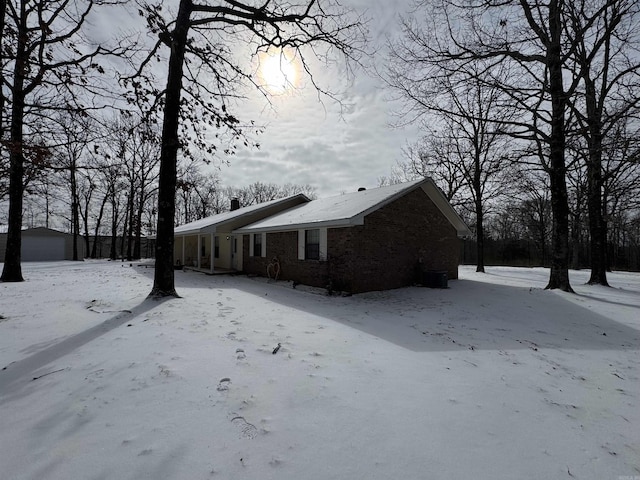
[(260, 192), (70, 159), (577, 192), (472, 41), (289, 189), (606, 59), (532, 190), (199, 195), (274, 24), (468, 147), (141, 148), (43, 65), (621, 187), (114, 145), (426, 158)]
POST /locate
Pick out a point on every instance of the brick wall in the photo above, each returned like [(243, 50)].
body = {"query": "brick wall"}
[(388, 251), (284, 246), (401, 239)]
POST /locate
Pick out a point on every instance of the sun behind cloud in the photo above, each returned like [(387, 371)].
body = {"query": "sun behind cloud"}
[(278, 71)]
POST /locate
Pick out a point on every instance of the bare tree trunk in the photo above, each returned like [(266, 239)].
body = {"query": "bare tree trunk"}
[(163, 281), (75, 222), (87, 246), (12, 270), (543, 237), (559, 277), (125, 228), (131, 216), (480, 239), (138, 232), (477, 187), (3, 13), (597, 224), (84, 213), (94, 249), (575, 237), (113, 252), (46, 205)]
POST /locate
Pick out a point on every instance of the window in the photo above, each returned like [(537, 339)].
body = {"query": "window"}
[(203, 247), (312, 244), (257, 245), (216, 247)]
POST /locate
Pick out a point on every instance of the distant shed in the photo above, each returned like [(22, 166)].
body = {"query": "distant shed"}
[(42, 244)]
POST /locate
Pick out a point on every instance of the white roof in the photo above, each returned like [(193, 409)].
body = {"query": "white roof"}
[(351, 208), (210, 223)]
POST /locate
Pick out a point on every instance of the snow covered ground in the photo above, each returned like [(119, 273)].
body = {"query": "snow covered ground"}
[(493, 378)]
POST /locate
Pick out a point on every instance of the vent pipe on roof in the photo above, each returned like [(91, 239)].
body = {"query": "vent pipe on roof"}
[(235, 204), (361, 189)]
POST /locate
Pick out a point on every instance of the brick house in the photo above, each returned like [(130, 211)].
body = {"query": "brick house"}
[(368, 240)]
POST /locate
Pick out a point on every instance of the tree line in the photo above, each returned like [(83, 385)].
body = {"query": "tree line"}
[(531, 117), (101, 181), (529, 111), (115, 114)]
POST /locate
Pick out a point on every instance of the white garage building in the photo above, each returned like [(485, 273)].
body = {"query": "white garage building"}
[(44, 245)]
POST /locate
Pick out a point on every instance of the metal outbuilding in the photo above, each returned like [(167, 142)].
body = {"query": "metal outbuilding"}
[(43, 244)]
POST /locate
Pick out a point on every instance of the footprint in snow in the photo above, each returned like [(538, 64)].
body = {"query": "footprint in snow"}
[(247, 430), (223, 384), (240, 355)]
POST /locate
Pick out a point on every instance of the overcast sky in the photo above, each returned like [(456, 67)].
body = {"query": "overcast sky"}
[(308, 142)]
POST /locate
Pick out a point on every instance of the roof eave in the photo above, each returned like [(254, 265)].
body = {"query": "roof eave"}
[(343, 222), (196, 231), (214, 227)]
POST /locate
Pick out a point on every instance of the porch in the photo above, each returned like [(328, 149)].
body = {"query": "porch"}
[(209, 253)]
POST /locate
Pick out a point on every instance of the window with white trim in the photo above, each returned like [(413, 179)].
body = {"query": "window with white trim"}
[(257, 245), (312, 244)]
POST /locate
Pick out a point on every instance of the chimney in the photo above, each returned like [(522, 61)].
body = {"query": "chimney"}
[(361, 189), (235, 204)]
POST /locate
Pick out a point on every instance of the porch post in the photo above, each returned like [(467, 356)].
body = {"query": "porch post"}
[(212, 254), (199, 248)]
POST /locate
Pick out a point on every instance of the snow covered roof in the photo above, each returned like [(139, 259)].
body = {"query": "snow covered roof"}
[(351, 208), (240, 217)]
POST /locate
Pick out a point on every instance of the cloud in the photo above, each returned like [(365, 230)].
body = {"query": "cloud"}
[(332, 146)]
